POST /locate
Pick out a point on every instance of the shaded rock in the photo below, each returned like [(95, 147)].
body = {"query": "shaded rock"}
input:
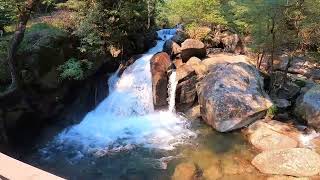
[(231, 96), (197, 65), (193, 113), (301, 65), (172, 48), (308, 107), (185, 171), (282, 103), (186, 93), (179, 37), (159, 66), (192, 47), (264, 138), (288, 91), (293, 161)]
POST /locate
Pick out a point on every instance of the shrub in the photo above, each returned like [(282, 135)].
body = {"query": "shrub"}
[(74, 69)]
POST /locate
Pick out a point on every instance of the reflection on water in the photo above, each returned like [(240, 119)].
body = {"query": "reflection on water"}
[(229, 155)]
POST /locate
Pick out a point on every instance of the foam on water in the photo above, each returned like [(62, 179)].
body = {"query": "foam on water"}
[(127, 117), (172, 86)]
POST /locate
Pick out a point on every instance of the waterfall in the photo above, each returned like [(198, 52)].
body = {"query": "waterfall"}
[(172, 86), (126, 118)]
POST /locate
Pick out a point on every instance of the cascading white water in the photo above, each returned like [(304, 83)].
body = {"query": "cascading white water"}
[(172, 86), (126, 117)]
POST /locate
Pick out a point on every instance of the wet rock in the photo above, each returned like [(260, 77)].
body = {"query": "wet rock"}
[(297, 162), (186, 93), (159, 66), (231, 96), (126, 64), (172, 48), (265, 137), (197, 65), (185, 171), (308, 107), (192, 47)]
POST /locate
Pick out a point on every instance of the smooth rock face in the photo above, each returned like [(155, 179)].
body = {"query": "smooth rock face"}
[(231, 96), (192, 47), (264, 138), (308, 107), (159, 66), (197, 65), (185, 171), (293, 161)]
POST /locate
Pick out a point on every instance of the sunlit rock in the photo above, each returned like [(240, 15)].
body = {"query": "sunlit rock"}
[(297, 162), (192, 47), (231, 96), (197, 65), (308, 107), (159, 67), (266, 136)]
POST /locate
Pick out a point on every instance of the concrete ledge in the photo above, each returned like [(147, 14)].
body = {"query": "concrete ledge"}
[(16, 170)]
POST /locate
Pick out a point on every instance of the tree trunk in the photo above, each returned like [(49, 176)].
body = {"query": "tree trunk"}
[(16, 41), (270, 70)]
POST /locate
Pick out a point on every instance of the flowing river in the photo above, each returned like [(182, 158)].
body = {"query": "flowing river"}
[(125, 138)]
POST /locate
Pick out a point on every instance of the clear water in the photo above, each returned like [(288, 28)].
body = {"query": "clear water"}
[(125, 138)]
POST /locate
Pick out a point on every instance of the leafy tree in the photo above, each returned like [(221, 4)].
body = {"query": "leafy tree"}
[(190, 11), (8, 10)]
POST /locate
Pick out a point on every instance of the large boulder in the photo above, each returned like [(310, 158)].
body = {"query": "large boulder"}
[(192, 47), (159, 67), (308, 107), (292, 161), (172, 48), (270, 135), (231, 96)]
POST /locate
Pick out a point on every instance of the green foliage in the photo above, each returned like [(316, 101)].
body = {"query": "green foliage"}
[(272, 111), (40, 35), (8, 10), (190, 11), (113, 24), (74, 69)]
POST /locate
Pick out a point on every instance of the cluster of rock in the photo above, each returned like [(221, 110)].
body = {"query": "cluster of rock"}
[(227, 92), (226, 88)]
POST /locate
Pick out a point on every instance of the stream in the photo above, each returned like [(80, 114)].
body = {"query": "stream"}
[(125, 138)]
